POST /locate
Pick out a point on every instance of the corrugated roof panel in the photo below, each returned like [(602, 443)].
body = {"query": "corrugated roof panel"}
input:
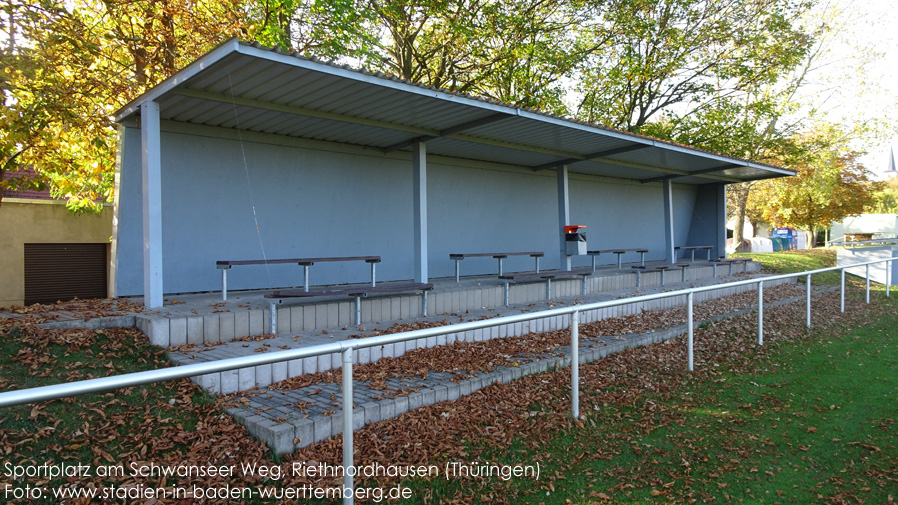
[(482, 152), (381, 112), (189, 110)]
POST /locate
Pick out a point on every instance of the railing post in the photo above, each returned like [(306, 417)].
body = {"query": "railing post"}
[(575, 364), (689, 338), (808, 296), (842, 289), (888, 278), (760, 312), (347, 428), (868, 282)]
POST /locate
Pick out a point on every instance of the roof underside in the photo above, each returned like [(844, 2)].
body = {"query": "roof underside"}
[(256, 89)]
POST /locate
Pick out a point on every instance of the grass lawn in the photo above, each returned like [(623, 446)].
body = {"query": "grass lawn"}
[(815, 421), (808, 418), (798, 261)]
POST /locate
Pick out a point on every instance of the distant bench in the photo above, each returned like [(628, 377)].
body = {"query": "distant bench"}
[(548, 276), (640, 269), (224, 266), (499, 256), (357, 292), (619, 253), (693, 248), (730, 262)]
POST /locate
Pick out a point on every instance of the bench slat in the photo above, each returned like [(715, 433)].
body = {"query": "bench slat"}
[(370, 259)]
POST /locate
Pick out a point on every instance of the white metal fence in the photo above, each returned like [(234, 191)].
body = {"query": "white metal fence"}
[(348, 347)]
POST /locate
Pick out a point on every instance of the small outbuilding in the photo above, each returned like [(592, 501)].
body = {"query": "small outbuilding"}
[(253, 153)]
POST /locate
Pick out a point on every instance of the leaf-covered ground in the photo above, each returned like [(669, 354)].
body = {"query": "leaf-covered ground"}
[(809, 417)]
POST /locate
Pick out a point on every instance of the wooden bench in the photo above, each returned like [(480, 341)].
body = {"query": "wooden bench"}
[(499, 256), (640, 269), (548, 276), (224, 266), (730, 262), (693, 248), (619, 253), (357, 292)]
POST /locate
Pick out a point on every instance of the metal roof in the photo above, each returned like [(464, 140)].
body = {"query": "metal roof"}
[(253, 88)]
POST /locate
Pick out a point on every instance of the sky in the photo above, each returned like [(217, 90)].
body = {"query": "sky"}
[(871, 95)]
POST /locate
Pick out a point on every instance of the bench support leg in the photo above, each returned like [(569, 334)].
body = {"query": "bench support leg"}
[(583, 285), (715, 270), (662, 276), (500, 266), (693, 256), (638, 278), (537, 263), (683, 277), (358, 310), (373, 275), (548, 289), (506, 294), (642, 259), (731, 270), (424, 304), (618, 260), (709, 254), (305, 278), (224, 285), (593, 262), (456, 270), (273, 318)]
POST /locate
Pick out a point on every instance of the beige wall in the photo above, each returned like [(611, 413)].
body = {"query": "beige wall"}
[(35, 221)]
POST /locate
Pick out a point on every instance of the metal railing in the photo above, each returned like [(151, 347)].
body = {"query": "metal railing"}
[(347, 347)]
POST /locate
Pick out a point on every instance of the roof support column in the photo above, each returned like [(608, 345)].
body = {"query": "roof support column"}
[(720, 207), (669, 253), (152, 204), (564, 214), (419, 164)]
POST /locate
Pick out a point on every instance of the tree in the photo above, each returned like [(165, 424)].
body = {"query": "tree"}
[(513, 52), (686, 54), (830, 186), (885, 199), (68, 70)]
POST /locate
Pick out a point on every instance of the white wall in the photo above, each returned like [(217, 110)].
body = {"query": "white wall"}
[(323, 199), (865, 223)]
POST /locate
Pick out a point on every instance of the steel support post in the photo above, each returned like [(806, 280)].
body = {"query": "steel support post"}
[(575, 364), (760, 312), (868, 283), (842, 289), (348, 449), (808, 296), (690, 333)]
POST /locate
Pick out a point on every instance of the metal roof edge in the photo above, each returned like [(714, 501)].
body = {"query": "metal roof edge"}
[(720, 157), (219, 52), (348, 72)]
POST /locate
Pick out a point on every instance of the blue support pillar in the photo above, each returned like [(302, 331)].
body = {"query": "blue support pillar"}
[(564, 214), (669, 252), (150, 137), (419, 162), (720, 245)]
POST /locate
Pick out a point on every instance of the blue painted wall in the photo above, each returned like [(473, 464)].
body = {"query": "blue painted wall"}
[(319, 199)]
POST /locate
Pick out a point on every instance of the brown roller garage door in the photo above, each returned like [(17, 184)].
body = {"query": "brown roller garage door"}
[(64, 271)]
